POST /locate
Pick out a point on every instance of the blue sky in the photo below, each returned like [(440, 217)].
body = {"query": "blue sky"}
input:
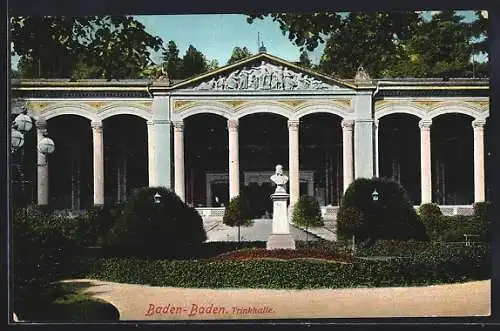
[(215, 35)]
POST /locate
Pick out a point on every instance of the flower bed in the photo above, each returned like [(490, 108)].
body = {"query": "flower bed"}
[(285, 254)]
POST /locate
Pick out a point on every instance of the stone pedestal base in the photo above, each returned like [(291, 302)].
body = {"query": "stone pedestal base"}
[(280, 241)]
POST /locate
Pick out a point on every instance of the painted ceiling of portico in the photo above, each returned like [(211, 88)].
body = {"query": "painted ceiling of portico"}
[(262, 72)]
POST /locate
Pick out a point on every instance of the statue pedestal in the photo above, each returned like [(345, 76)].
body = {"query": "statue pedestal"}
[(280, 237)]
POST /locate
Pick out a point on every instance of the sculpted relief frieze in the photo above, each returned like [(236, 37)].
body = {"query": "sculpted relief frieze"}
[(265, 76)]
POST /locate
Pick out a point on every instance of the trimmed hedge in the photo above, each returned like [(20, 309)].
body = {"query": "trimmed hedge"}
[(445, 265)]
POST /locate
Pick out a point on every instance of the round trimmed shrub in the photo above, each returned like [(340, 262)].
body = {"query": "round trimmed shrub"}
[(307, 212), (169, 228), (392, 216)]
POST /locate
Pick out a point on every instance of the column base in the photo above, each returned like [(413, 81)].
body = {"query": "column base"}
[(280, 241)]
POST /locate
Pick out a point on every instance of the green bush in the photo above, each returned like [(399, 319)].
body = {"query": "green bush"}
[(95, 223), (433, 266), (391, 217), (429, 210), (484, 219), (307, 212), (170, 228), (453, 228), (482, 211), (43, 247)]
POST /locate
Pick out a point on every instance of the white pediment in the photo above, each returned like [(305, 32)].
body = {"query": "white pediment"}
[(264, 76)]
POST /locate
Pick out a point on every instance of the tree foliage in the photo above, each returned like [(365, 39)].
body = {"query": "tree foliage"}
[(440, 47), (239, 54), (304, 60), (110, 47), (172, 63), (193, 62), (389, 44), (237, 213)]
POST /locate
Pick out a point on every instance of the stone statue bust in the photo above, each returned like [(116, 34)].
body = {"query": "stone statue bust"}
[(279, 179)]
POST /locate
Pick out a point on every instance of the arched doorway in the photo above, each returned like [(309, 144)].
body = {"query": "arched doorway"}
[(263, 143), (399, 152), (70, 166), (206, 160), (452, 148), (125, 156), (320, 145)]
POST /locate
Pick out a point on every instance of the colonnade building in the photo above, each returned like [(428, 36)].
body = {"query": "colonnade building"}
[(211, 136)]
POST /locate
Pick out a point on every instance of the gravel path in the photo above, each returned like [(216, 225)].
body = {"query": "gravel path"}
[(140, 302)]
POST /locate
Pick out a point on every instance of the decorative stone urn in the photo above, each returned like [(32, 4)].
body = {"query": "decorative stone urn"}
[(280, 237)]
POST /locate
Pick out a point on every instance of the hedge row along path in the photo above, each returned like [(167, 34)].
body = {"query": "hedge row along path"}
[(141, 302)]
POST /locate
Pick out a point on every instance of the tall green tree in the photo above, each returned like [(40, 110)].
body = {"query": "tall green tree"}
[(373, 40), (118, 46), (171, 61), (239, 54), (440, 47), (194, 62), (304, 60)]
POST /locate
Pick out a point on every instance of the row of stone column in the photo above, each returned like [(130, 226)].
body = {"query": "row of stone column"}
[(425, 159), (234, 168), (293, 141)]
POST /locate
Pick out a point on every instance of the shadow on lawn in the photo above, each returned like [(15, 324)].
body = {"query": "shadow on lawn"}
[(71, 301)]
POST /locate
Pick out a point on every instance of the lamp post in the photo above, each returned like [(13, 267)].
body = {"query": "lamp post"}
[(157, 198), (21, 125)]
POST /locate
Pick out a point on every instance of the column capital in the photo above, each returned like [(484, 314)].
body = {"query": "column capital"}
[(425, 124), (293, 124), (232, 125), (41, 124), (178, 126), (96, 124), (347, 124), (478, 123), (158, 121)]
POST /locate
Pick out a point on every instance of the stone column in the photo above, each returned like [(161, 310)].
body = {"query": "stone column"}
[(425, 160), (293, 159), (347, 130), (43, 167), (151, 154), (162, 136), (98, 163), (179, 159), (479, 185), (364, 155), (234, 160)]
